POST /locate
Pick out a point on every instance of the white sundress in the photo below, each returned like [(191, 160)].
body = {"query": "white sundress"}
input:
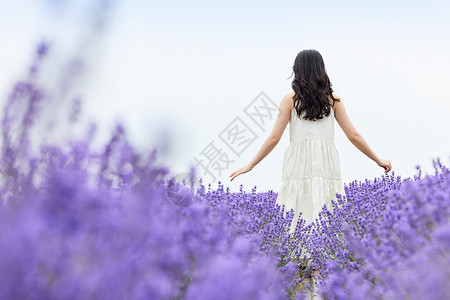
[(311, 174)]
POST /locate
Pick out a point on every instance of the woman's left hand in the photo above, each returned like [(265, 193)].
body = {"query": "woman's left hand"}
[(242, 170)]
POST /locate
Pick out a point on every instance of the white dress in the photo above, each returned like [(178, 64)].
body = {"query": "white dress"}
[(311, 174)]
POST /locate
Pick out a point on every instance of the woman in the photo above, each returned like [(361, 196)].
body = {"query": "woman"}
[(311, 174)]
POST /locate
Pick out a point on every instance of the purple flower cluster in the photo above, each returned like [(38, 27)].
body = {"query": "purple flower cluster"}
[(384, 239), (78, 223), (395, 240)]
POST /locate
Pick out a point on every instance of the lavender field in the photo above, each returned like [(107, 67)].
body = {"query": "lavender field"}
[(79, 223)]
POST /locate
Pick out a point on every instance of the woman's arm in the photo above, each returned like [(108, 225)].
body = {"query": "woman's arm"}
[(284, 114), (355, 137)]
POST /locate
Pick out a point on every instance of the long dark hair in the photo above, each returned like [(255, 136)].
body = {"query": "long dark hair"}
[(311, 86)]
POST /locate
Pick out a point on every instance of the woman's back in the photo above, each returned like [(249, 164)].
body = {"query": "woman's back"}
[(311, 174), (300, 128)]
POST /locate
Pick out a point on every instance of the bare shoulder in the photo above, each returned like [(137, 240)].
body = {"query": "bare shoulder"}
[(335, 96), (286, 104), (289, 100)]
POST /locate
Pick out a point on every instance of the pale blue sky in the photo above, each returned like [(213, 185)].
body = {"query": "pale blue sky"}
[(194, 66)]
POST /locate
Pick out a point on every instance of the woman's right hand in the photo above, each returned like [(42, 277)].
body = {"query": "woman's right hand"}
[(385, 164)]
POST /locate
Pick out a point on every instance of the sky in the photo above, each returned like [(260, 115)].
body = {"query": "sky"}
[(179, 74)]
